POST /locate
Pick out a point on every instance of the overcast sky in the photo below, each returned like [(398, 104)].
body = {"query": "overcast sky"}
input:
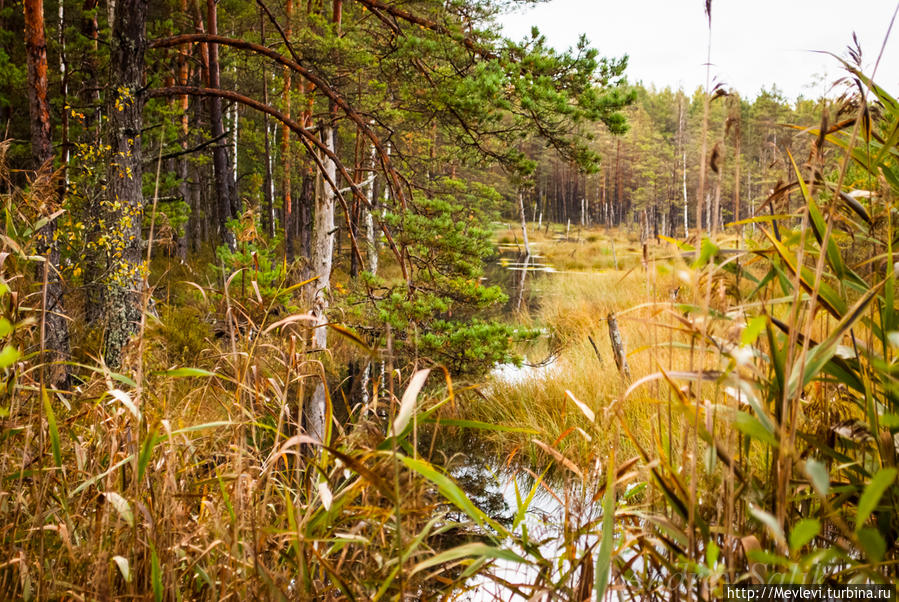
[(755, 43)]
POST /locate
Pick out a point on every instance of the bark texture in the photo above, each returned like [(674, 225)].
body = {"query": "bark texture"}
[(371, 235), (36, 56), (123, 209), (322, 255), (286, 156), (224, 182), (619, 351), (56, 329)]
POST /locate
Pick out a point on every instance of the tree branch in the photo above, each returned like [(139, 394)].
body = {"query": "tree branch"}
[(377, 5), (188, 151), (320, 83), (308, 139)]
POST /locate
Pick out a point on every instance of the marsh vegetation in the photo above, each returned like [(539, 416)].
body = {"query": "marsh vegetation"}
[(278, 320)]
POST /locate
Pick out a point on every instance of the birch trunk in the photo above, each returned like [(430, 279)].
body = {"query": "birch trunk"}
[(371, 235), (524, 226), (321, 258), (522, 280), (322, 255)]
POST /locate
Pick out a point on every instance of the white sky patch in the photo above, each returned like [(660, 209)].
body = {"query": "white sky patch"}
[(754, 43)]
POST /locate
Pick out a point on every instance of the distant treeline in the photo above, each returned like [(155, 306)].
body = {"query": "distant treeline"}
[(655, 167)]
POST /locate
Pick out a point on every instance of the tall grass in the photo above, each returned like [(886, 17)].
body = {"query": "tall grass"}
[(197, 482), (764, 402), (757, 439)]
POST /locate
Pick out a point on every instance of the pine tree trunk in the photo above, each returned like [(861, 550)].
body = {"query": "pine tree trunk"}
[(304, 214), (184, 189), (716, 206), (56, 329), (123, 209), (286, 156), (90, 98), (223, 179), (90, 91), (36, 57), (700, 192), (64, 98), (268, 193)]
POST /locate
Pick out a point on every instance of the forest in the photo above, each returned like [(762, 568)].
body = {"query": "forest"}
[(364, 300)]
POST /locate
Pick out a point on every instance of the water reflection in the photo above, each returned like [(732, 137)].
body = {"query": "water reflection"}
[(510, 272), (511, 374), (557, 521)]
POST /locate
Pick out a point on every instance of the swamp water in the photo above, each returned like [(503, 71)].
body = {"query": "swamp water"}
[(550, 518)]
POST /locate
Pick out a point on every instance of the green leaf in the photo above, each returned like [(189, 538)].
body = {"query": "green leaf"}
[(450, 490), (827, 296), (54, 430), (819, 226), (750, 426), (711, 554), (146, 453), (469, 550), (707, 250), (102, 475), (523, 506), (753, 329), (817, 474), (155, 575), (804, 531), (604, 557), (769, 521), (824, 351), (872, 494), (184, 372), (8, 356), (5, 327), (476, 424), (873, 544)]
